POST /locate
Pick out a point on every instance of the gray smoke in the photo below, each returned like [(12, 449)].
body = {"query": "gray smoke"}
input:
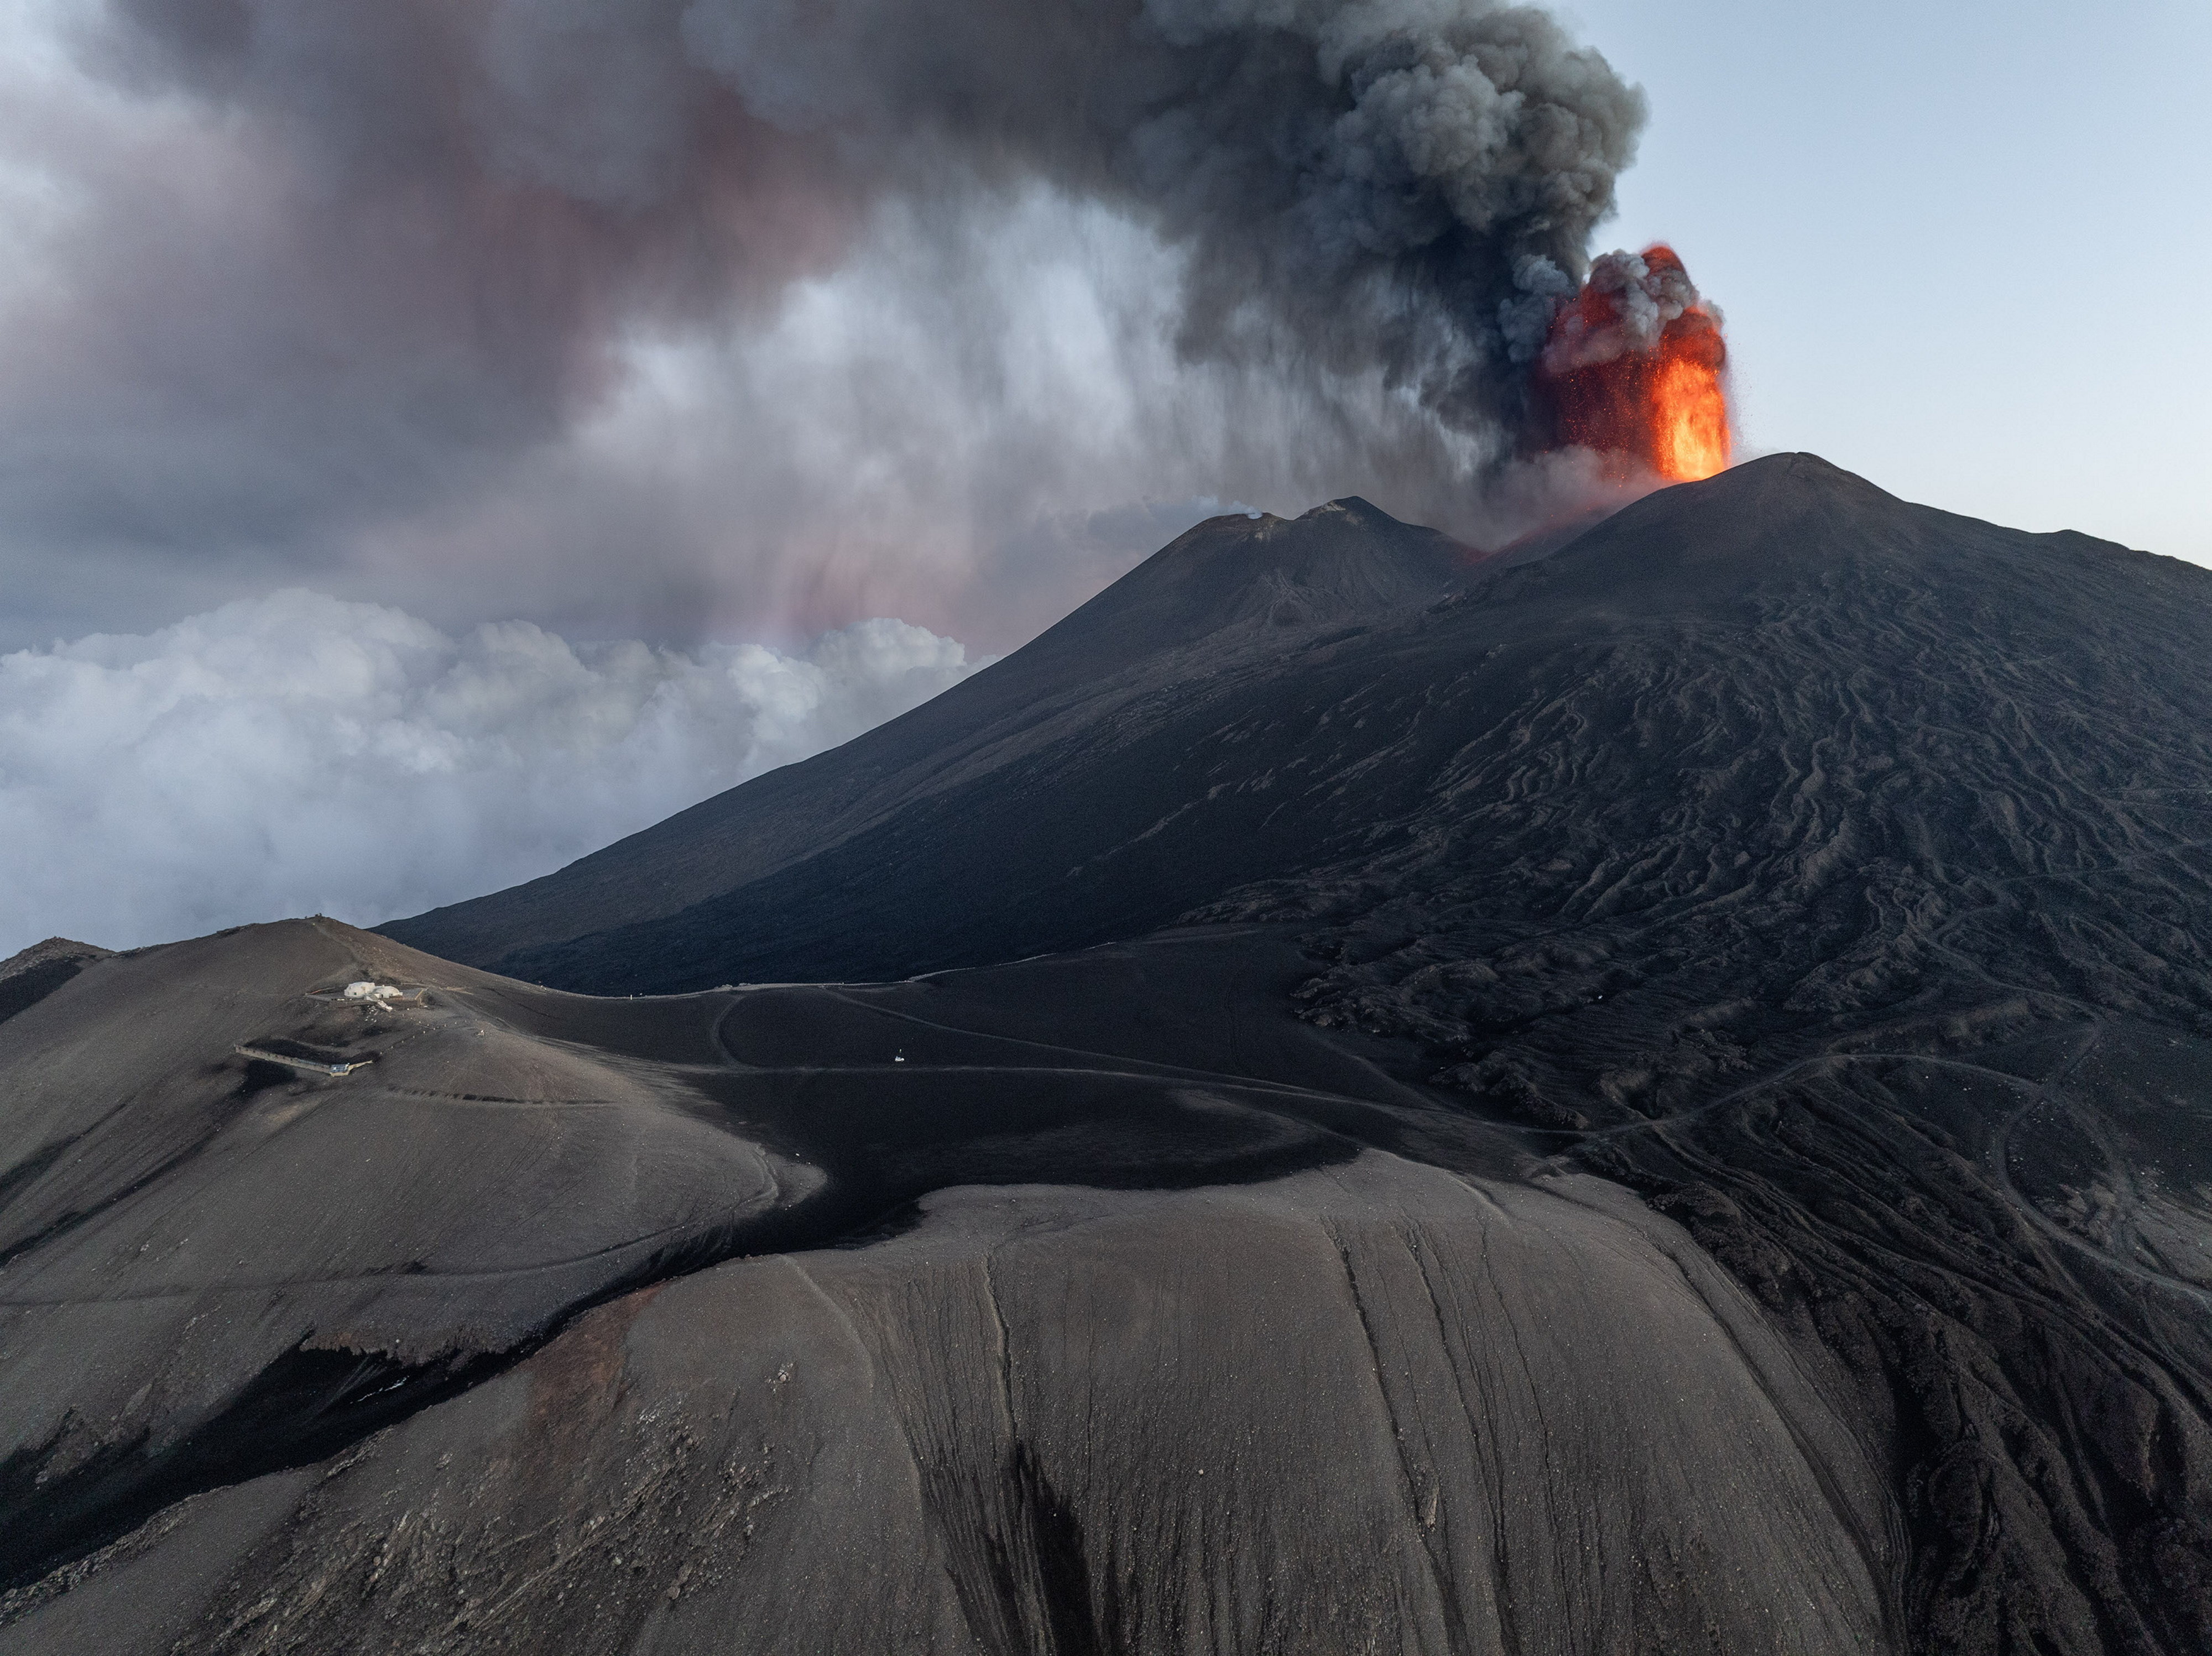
[(1363, 184), (387, 261)]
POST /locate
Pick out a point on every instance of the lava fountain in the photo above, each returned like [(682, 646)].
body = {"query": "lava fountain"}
[(1635, 369)]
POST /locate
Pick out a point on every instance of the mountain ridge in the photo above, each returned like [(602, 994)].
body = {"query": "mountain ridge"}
[(1794, 527)]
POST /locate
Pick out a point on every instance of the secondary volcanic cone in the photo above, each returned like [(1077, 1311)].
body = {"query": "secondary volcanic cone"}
[(1633, 368)]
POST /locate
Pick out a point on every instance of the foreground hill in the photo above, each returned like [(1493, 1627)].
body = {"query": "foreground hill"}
[(1091, 1304), (1655, 1100)]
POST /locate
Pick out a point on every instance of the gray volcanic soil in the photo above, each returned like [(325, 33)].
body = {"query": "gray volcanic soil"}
[(1654, 1099)]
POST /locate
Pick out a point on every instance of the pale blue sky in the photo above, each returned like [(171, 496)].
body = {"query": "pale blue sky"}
[(1963, 248)]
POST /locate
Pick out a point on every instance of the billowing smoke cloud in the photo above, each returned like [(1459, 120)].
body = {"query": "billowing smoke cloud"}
[(1631, 297), (803, 308), (295, 754)]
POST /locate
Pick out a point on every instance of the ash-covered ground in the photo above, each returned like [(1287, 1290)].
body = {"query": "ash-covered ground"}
[(1656, 1097)]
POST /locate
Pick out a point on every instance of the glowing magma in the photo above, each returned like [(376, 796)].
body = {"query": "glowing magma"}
[(1637, 378)]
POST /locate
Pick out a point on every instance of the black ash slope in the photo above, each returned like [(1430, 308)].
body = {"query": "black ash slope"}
[(1087, 1304), (1660, 682), (1827, 872)]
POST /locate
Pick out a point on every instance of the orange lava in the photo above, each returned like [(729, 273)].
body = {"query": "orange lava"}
[(1660, 404)]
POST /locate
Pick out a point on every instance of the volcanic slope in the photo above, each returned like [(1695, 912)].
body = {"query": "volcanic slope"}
[(1087, 1304), (1659, 1099)]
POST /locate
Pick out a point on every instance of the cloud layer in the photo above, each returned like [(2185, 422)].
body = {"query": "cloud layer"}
[(297, 754)]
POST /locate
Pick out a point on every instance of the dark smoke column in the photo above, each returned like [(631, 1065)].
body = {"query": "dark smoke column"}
[(1404, 188)]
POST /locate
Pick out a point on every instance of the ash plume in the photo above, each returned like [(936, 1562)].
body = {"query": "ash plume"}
[(423, 239), (1370, 183)]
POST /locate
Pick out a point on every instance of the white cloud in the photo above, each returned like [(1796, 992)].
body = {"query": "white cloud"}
[(295, 754), (915, 432)]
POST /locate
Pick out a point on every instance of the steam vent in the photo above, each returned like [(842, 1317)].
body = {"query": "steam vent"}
[(1649, 1096)]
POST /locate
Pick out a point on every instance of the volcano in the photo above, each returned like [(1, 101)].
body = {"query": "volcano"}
[(1352, 1096)]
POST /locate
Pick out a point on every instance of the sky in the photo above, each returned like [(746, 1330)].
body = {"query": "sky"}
[(428, 454)]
